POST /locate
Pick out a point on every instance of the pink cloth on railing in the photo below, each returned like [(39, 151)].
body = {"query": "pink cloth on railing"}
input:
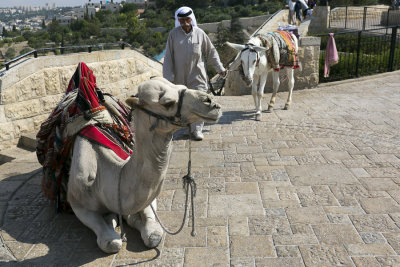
[(331, 55)]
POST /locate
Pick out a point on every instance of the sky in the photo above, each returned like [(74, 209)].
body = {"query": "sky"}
[(12, 3)]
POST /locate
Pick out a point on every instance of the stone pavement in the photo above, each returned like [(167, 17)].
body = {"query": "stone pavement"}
[(317, 185)]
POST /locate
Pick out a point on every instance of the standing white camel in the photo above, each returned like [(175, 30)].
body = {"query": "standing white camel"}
[(256, 57), (160, 108)]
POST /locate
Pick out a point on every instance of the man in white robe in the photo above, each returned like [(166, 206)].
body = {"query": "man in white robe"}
[(188, 49)]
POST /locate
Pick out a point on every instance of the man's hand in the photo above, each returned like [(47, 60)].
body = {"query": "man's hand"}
[(223, 74)]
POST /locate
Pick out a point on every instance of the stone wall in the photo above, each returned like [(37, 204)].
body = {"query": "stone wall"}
[(30, 90), (305, 77), (245, 22)]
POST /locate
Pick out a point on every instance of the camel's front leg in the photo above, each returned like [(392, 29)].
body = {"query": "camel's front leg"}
[(290, 74), (145, 222), (276, 82), (107, 239)]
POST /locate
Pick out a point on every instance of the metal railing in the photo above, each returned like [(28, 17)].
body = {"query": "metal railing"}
[(363, 17), (362, 53), (66, 49)]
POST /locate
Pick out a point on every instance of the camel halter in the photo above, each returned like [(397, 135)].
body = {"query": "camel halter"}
[(187, 179), (175, 120)]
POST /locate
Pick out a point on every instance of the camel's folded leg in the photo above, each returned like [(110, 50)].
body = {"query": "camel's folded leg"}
[(107, 239), (145, 222)]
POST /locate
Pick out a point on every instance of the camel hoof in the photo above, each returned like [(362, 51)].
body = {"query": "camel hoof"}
[(112, 246), (153, 240), (258, 117), (270, 109), (286, 107)]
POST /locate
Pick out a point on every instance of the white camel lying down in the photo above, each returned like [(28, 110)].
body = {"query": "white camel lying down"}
[(95, 170)]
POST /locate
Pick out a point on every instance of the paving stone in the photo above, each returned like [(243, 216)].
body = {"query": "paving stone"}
[(217, 236), (268, 225), (241, 188), (339, 218), (335, 157), (394, 240), (320, 196), (359, 172), (294, 239), (307, 215), (320, 175), (184, 239), (325, 256), (378, 184), (215, 256), (379, 205), (385, 172), (238, 226), (388, 260), (287, 251), (19, 249), (267, 191), (271, 262), (373, 223), (373, 238), (242, 262), (365, 261), (355, 210), (234, 205), (336, 234), (283, 152), (252, 246), (369, 249)]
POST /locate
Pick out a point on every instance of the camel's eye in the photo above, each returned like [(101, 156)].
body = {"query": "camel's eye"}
[(168, 105)]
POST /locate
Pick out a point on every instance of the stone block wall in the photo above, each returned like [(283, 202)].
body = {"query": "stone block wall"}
[(245, 22), (30, 90)]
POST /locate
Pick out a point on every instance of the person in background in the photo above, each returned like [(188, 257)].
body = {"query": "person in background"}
[(188, 48), (292, 14), (299, 6)]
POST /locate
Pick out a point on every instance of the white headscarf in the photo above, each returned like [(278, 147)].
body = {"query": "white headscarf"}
[(184, 10)]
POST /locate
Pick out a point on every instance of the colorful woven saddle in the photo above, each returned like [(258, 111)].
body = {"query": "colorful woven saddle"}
[(85, 111)]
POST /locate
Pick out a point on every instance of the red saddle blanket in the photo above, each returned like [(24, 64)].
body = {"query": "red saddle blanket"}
[(83, 112)]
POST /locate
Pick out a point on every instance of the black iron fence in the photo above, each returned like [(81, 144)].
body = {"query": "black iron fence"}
[(362, 53), (65, 50), (363, 18)]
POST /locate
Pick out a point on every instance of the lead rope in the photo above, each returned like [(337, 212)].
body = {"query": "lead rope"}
[(187, 181), (121, 223)]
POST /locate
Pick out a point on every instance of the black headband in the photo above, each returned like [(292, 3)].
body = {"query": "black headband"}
[(184, 15)]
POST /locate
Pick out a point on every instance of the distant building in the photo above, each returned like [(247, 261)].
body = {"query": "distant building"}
[(64, 20)]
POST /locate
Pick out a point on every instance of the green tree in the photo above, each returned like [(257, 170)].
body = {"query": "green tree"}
[(222, 35), (25, 50), (136, 30), (10, 53), (236, 31)]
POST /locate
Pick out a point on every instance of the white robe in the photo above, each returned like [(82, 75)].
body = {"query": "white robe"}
[(185, 55)]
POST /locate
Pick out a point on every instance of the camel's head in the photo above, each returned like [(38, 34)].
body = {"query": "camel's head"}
[(249, 58), (175, 103)]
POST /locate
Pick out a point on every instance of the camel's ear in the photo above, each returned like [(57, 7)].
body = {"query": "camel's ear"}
[(133, 102), (236, 46)]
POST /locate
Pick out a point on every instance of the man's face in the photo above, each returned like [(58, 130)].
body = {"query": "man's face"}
[(185, 23)]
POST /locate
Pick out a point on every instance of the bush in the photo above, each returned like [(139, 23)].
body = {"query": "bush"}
[(10, 53)]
